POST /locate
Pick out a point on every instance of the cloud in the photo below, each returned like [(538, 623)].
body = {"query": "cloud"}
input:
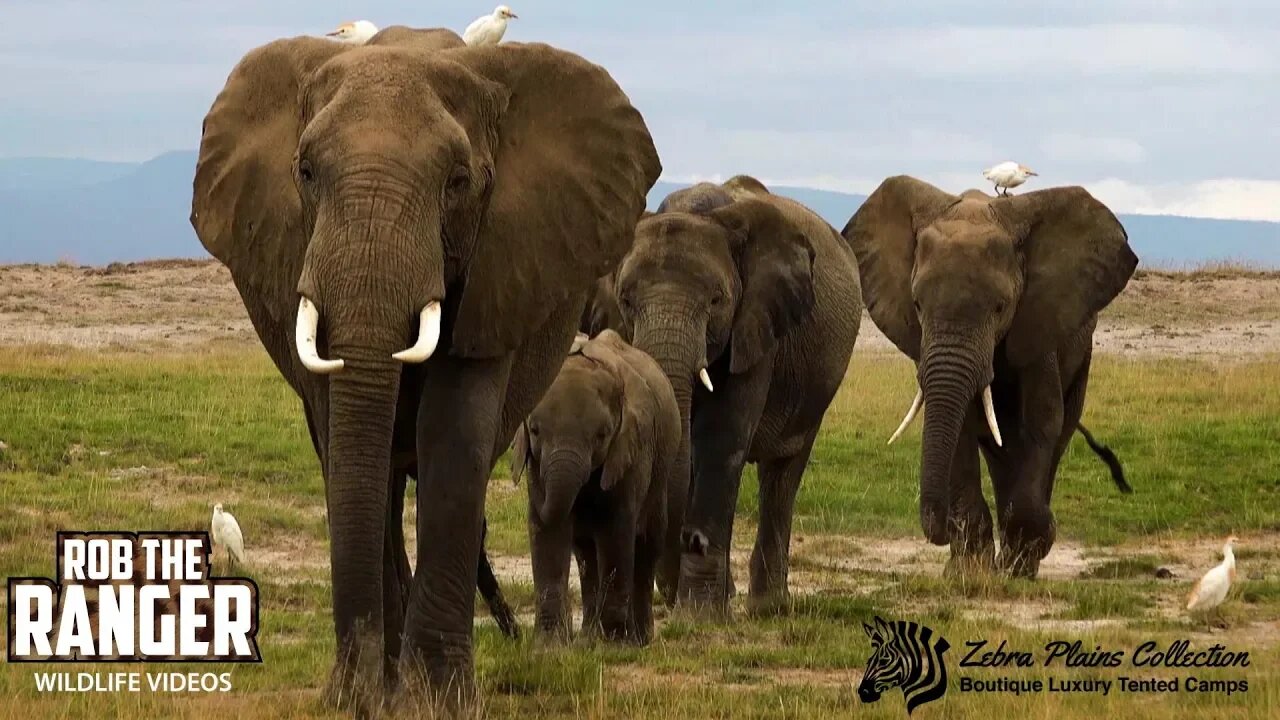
[(1223, 198), (1081, 148)]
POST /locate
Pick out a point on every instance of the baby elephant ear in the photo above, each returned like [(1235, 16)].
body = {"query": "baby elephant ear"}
[(1076, 260), (775, 264), (633, 396), (520, 453)]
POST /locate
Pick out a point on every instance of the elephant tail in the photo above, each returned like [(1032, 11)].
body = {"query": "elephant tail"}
[(1108, 457)]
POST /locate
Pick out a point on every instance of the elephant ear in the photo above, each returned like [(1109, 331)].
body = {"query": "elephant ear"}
[(520, 453), (634, 400), (1076, 260), (245, 204), (775, 263), (882, 234), (572, 168)]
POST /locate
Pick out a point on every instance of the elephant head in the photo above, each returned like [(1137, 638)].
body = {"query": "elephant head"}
[(587, 424), (965, 284), (715, 279), (392, 201)]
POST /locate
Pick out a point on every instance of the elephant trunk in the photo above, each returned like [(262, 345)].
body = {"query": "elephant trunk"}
[(695, 560), (950, 374), (562, 475), (372, 270)]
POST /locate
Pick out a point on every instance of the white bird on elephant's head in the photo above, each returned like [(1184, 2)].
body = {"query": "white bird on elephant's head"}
[(354, 33), (1211, 589), (226, 532), (1007, 175), (488, 29)]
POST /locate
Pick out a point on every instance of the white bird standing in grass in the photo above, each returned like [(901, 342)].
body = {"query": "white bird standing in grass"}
[(354, 33), (226, 532), (1007, 175), (488, 29), (1211, 589)]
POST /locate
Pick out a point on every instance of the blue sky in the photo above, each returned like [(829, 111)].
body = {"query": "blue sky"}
[(1156, 106)]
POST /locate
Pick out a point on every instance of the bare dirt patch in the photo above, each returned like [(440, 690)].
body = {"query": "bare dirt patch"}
[(1211, 313)]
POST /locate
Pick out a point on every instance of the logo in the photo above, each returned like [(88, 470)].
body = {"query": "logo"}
[(123, 596), (904, 655)]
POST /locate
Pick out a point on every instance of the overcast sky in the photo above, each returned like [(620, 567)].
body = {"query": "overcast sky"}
[(1156, 106)]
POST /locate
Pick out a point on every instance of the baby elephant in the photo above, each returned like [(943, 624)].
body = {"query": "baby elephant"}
[(600, 447)]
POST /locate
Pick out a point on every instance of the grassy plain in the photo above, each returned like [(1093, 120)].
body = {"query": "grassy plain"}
[(112, 439)]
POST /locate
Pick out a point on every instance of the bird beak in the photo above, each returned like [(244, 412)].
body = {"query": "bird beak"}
[(335, 33), (1033, 172), (513, 15)]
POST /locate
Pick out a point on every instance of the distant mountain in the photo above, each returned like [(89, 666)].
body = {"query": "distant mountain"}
[(93, 212)]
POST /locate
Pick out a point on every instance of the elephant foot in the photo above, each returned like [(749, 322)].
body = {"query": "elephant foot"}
[(704, 590), (772, 603), (356, 685), (1024, 563), (437, 678)]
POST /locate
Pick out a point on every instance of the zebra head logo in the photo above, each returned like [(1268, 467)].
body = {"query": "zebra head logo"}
[(904, 655)]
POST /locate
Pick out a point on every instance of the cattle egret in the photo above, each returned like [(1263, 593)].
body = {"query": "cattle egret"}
[(1008, 175), (355, 33), (1212, 589), (226, 532), (488, 29)]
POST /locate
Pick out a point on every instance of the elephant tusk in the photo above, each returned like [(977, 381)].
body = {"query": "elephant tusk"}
[(911, 415), (989, 409), (428, 336), (706, 380), (304, 336)]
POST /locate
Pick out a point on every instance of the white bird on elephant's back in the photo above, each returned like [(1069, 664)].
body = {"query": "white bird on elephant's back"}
[(354, 33), (226, 532), (488, 29), (1211, 590), (1008, 174)]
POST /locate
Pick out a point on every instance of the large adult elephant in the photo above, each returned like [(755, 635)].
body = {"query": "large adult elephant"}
[(414, 228), (756, 296), (996, 300)]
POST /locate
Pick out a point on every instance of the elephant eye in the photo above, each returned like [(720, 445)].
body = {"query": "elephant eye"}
[(459, 181), (916, 305), (717, 299), (533, 430), (305, 171), (999, 308)]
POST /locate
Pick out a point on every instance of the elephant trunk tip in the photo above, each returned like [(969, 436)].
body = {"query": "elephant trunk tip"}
[(933, 520)]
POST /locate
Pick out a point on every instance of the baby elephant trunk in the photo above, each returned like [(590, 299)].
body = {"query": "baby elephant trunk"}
[(564, 473)]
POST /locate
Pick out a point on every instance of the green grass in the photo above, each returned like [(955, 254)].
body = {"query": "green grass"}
[(122, 440)]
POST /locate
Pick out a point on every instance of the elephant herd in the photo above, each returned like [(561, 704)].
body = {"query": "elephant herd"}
[(420, 230)]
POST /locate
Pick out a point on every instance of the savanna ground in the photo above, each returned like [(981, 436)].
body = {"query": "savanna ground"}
[(136, 397)]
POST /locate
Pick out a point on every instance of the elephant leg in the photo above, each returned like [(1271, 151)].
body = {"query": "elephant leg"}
[(457, 424), (648, 550), (397, 576), (1072, 409), (491, 591), (549, 547), (616, 546), (972, 543), (779, 483), (586, 553), (1022, 470), (722, 430)]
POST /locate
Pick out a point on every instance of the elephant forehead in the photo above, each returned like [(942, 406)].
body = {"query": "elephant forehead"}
[(680, 243)]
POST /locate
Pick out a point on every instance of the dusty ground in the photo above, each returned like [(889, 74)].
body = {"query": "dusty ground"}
[(177, 303)]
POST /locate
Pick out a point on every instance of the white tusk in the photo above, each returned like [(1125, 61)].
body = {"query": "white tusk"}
[(304, 336), (911, 415), (706, 380), (428, 336), (989, 409)]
